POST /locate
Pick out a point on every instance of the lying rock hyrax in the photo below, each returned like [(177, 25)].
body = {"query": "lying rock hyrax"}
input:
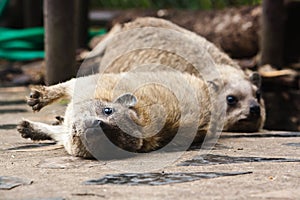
[(138, 112), (146, 41)]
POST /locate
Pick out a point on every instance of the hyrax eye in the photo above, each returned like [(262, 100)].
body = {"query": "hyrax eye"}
[(231, 100), (107, 111)]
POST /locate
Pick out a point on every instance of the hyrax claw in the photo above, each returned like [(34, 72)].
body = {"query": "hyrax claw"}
[(35, 94), (59, 120)]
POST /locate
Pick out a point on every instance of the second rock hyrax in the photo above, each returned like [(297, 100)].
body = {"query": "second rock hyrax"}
[(142, 44)]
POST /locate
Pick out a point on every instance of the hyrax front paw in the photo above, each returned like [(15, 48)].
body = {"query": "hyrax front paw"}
[(27, 130), (38, 98)]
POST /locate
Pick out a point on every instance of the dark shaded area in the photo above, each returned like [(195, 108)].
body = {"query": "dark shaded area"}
[(33, 13), (260, 135), (272, 33), (292, 144), (211, 159), (155, 179), (82, 22), (5, 111), (8, 126), (217, 146), (292, 33), (20, 14), (281, 97), (31, 146), (7, 182), (12, 102), (88, 194)]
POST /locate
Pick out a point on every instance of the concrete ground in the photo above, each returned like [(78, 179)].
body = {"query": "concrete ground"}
[(271, 158)]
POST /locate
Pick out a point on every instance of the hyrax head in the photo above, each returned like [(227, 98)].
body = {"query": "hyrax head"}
[(115, 121), (245, 111)]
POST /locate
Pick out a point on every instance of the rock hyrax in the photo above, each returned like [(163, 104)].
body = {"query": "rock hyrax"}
[(137, 111), (145, 42)]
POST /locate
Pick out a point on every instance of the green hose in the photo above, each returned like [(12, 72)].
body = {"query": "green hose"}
[(3, 4), (22, 44), (29, 34), (26, 44), (21, 55)]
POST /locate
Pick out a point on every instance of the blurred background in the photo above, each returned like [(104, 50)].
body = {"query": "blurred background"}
[(45, 41)]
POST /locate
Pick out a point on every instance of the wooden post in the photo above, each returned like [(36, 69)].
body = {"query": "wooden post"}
[(272, 38), (60, 40), (82, 22)]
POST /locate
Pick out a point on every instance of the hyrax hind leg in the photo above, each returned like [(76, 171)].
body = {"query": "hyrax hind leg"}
[(39, 131)]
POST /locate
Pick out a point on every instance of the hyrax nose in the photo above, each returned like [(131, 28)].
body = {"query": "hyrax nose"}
[(96, 123), (92, 123), (255, 109)]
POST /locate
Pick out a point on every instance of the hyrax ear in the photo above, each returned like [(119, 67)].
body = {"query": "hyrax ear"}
[(255, 79), (215, 85), (127, 99)]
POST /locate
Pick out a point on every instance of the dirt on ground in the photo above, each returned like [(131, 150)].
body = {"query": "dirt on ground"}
[(263, 165)]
